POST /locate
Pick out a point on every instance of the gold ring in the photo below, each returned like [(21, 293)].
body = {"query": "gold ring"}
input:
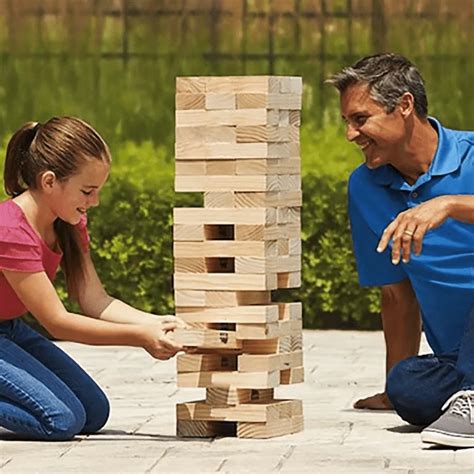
[(408, 232)]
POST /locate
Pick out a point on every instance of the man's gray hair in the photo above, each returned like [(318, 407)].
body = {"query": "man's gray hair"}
[(388, 76)]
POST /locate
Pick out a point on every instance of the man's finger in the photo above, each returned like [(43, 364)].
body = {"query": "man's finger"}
[(407, 241), (386, 236), (418, 239)]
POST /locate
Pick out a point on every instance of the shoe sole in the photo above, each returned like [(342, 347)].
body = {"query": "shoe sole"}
[(447, 439)]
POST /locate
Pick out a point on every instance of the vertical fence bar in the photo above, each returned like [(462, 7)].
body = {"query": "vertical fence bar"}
[(243, 38), (214, 33), (379, 26), (125, 32), (350, 47), (271, 38), (322, 61)]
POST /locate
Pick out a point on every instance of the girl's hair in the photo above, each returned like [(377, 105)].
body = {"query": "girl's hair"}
[(388, 76), (61, 145)]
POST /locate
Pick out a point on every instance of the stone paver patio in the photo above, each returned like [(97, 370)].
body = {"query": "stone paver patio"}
[(139, 437)]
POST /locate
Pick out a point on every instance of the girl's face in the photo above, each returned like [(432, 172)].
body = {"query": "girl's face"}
[(70, 199)]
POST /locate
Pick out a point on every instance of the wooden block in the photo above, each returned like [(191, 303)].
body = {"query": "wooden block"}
[(290, 199), (223, 101), (294, 148), (269, 362), (190, 265), (190, 168), (250, 380), (261, 199), (294, 246), (225, 281), (290, 328), (220, 167), (294, 182), (190, 85), (284, 166), (257, 232), (293, 229), (193, 232), (231, 298), (206, 134), (282, 215), (250, 412), (294, 133), (257, 331), (235, 396), (251, 101), (235, 314), (289, 280), (218, 118), (284, 102), (204, 429), (206, 338), (197, 215), (283, 247), (296, 85), (199, 151), (296, 342), (262, 133), (205, 362), (262, 183), (273, 118), (218, 199), (253, 265), (295, 118), (291, 376), (294, 214), (225, 248), (241, 84), (290, 311), (270, 429), (184, 298), (189, 101), (283, 118)]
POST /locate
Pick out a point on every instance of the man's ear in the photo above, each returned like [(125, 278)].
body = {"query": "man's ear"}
[(407, 104), (47, 181)]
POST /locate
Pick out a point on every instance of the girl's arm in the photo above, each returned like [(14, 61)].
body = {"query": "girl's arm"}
[(94, 301), (37, 293)]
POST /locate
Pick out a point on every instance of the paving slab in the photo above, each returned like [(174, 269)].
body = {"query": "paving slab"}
[(340, 366)]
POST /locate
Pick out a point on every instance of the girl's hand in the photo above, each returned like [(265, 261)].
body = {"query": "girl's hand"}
[(158, 343), (180, 324)]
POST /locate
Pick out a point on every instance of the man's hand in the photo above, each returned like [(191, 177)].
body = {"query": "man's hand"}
[(409, 228), (379, 401)]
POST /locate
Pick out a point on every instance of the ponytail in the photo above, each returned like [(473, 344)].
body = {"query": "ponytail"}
[(60, 145), (17, 175)]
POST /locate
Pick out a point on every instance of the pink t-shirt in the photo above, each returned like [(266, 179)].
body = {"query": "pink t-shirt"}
[(23, 250)]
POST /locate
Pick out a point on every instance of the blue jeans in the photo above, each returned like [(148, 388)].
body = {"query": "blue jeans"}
[(44, 394), (419, 386)]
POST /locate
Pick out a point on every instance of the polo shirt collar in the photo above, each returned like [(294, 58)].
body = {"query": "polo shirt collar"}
[(445, 161)]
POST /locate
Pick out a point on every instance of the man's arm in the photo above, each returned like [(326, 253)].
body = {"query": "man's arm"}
[(402, 331), (461, 207)]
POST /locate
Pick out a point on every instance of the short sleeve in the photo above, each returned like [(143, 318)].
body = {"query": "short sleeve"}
[(19, 251), (374, 269), (83, 233)]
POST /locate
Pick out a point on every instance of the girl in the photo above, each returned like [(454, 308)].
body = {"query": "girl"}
[(54, 173)]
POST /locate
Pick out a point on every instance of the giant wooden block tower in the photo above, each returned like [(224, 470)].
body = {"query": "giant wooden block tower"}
[(237, 141)]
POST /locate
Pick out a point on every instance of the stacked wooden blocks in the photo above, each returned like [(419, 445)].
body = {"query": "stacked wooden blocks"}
[(237, 141)]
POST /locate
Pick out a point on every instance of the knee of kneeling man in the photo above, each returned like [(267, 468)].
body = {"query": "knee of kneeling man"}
[(399, 381)]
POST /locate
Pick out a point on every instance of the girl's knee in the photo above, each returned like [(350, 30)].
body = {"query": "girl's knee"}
[(65, 424), (97, 414)]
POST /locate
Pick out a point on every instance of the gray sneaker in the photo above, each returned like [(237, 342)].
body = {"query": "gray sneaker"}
[(455, 427)]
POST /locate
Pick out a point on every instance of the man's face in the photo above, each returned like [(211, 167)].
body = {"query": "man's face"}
[(380, 135)]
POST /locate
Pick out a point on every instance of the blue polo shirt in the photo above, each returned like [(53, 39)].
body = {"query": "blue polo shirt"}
[(442, 276)]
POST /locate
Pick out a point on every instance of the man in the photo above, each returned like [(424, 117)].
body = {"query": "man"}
[(411, 207)]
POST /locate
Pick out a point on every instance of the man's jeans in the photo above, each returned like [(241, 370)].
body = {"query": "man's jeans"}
[(419, 386), (44, 394)]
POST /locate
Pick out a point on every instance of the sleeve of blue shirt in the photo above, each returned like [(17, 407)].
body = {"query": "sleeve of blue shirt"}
[(374, 269)]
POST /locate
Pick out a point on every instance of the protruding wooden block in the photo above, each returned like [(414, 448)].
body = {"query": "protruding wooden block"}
[(289, 280), (257, 331), (206, 338), (290, 311), (200, 151), (205, 362), (234, 396), (190, 168), (262, 133), (269, 362), (218, 118), (220, 299), (193, 232), (250, 380)]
